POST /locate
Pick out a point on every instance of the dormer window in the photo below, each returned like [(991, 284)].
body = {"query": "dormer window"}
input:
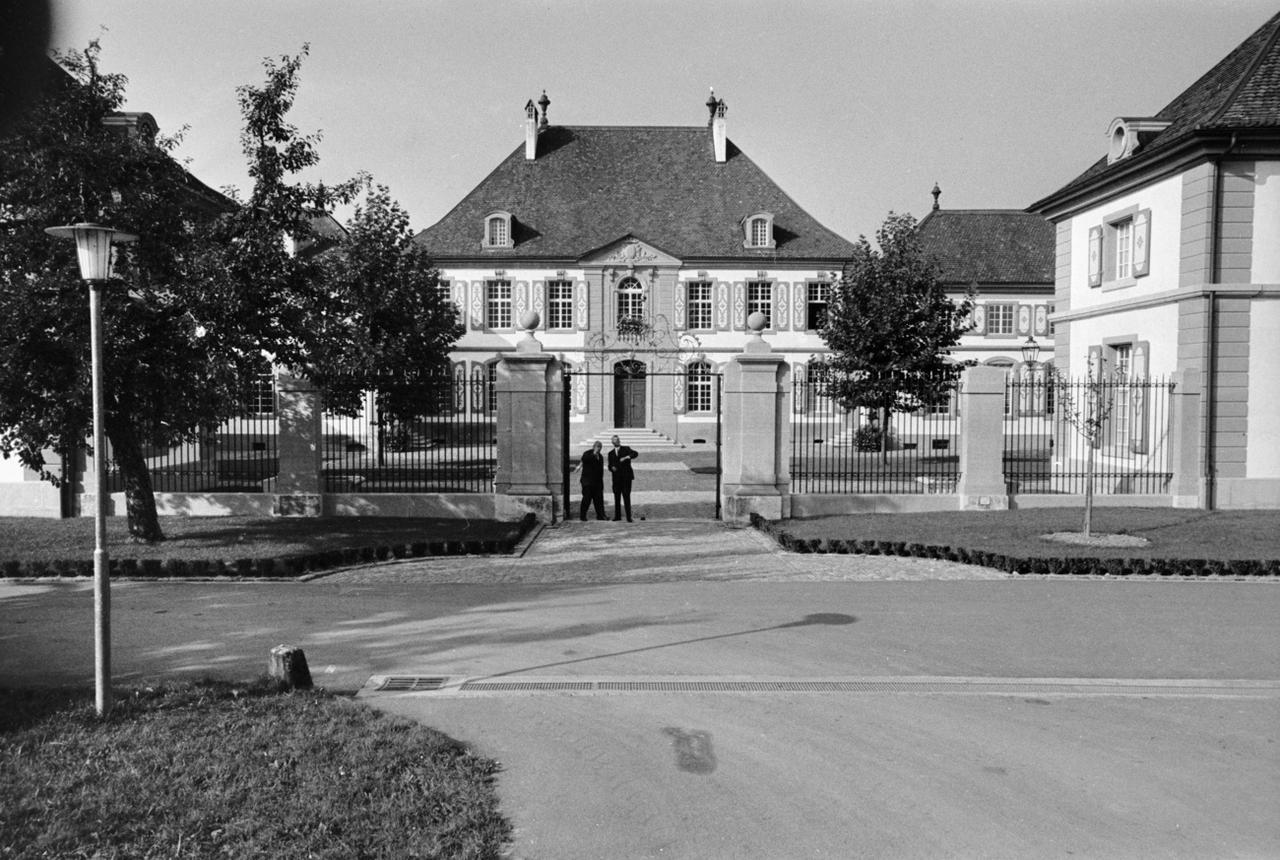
[(497, 231), (758, 231), (1127, 134)]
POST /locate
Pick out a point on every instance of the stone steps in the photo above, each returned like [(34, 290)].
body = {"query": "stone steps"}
[(640, 438)]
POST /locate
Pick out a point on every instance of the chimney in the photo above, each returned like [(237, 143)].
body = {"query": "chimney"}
[(717, 108), (530, 131)]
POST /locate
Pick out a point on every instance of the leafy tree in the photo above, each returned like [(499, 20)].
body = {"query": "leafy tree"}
[(210, 291), (387, 321), (889, 326), (62, 164), (1087, 408)]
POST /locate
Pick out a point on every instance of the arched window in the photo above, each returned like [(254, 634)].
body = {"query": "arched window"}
[(497, 230), (699, 386), (757, 230), (630, 300)]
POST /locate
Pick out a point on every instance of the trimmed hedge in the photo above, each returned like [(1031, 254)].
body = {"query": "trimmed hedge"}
[(1068, 566), (277, 567)]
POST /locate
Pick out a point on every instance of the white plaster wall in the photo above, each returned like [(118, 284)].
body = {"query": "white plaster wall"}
[(10, 470), (1158, 326), (1164, 199), (1266, 225), (1263, 445)]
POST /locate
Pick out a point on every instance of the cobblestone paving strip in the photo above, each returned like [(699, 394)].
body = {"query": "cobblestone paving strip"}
[(659, 551)]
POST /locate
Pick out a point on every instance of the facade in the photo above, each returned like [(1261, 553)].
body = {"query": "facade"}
[(1168, 262), (642, 250)]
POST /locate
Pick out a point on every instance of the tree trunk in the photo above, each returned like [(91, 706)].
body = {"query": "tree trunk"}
[(140, 500), (1087, 526)]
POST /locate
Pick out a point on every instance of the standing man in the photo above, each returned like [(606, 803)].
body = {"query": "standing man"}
[(592, 469), (620, 466)]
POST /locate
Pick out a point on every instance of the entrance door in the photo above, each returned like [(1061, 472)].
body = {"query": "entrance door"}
[(628, 394)]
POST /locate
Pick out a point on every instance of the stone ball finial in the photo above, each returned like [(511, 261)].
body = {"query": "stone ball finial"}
[(757, 322), (530, 321)]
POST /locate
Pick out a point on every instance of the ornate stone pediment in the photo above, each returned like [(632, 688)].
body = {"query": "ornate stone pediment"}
[(629, 252)]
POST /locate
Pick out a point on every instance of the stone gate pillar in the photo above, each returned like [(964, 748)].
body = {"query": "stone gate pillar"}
[(298, 434), (982, 486), (530, 401), (757, 432), (1187, 487)]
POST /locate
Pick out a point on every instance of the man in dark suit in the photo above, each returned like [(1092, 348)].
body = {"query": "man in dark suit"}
[(592, 469), (620, 467)]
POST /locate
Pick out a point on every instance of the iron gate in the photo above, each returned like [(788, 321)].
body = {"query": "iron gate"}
[(623, 379)]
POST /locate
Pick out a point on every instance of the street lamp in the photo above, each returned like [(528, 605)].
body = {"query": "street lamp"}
[(93, 244), (1030, 351)]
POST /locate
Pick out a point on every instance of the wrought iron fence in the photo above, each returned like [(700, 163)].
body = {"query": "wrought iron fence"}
[(1044, 453), (238, 456), (435, 435), (834, 450)]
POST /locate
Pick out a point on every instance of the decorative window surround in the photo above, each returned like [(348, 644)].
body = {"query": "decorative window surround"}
[(1118, 249)]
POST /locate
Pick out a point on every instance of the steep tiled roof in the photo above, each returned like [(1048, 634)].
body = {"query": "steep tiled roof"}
[(989, 246), (591, 185), (1241, 92)]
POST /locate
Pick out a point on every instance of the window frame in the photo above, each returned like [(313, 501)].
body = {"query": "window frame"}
[(492, 303), (699, 376), (749, 223), (488, 239), (811, 302), (707, 304), (560, 308), (991, 315), (634, 294), (765, 306)]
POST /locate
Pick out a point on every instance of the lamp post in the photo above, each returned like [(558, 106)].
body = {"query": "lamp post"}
[(93, 245)]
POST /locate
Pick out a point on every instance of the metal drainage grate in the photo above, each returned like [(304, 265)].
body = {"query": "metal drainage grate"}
[(410, 684), (932, 686), (526, 686), (980, 686)]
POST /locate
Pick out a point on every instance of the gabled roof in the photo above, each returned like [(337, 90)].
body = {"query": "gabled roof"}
[(592, 185), (989, 246), (1240, 93)]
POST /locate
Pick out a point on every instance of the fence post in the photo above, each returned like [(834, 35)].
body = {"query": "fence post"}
[(982, 485), (757, 432), (298, 445), (530, 394), (1186, 488)]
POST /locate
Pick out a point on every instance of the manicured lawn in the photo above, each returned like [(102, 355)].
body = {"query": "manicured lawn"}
[(220, 770), (1173, 533), (44, 539)]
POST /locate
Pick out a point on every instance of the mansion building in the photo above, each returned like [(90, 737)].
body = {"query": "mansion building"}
[(643, 250)]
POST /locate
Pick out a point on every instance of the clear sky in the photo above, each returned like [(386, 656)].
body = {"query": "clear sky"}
[(855, 107)]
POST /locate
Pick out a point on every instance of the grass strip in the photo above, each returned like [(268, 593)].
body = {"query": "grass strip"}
[(245, 546), (1014, 542), (213, 769)]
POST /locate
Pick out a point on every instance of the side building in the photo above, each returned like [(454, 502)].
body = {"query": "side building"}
[(1168, 261)]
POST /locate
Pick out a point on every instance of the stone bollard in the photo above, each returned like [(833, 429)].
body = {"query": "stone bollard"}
[(289, 667)]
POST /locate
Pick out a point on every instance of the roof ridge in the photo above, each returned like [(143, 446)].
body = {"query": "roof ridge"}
[(1247, 76)]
